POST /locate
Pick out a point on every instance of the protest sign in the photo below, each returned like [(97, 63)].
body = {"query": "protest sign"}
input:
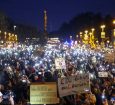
[(73, 84), (60, 63), (102, 74), (43, 93)]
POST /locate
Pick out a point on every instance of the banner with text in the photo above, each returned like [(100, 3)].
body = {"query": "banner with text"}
[(102, 74), (43, 93), (73, 84)]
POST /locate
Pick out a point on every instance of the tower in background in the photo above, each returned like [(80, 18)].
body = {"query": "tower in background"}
[(45, 20), (45, 25)]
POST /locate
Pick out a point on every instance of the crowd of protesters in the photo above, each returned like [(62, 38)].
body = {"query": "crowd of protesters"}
[(22, 65)]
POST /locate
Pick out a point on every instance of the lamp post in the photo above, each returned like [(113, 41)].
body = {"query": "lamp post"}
[(92, 32), (92, 37), (12, 38), (5, 35), (81, 34), (14, 27), (108, 43), (86, 38), (0, 34), (114, 39), (70, 37), (102, 34), (9, 37), (16, 39), (114, 34)]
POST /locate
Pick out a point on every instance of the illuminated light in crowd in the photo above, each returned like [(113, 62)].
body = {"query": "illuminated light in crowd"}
[(113, 70), (80, 71), (91, 75), (75, 42), (16, 53), (36, 65), (36, 58), (41, 62)]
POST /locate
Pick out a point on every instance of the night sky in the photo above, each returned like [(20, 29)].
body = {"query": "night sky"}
[(30, 12)]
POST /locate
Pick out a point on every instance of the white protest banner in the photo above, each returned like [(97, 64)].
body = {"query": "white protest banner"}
[(81, 83), (102, 74), (73, 84), (60, 63)]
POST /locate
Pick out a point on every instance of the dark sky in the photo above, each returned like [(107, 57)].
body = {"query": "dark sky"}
[(31, 11)]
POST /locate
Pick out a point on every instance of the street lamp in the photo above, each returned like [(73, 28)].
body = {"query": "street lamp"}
[(77, 37), (102, 27), (16, 38), (86, 38), (9, 36), (97, 42), (14, 27), (93, 33), (0, 34), (113, 21), (102, 31), (113, 40), (12, 37), (5, 35), (86, 31), (81, 34), (70, 37), (102, 34), (108, 43)]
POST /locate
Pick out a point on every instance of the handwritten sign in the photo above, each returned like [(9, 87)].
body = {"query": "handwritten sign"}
[(73, 84), (60, 63), (43, 93)]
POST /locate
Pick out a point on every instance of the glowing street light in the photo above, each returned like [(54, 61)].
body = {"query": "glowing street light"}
[(92, 30), (114, 39), (9, 36), (86, 35), (86, 31), (102, 27), (86, 38), (77, 37), (70, 37), (0, 34), (5, 35), (14, 27), (102, 31), (16, 38), (114, 34), (113, 21), (108, 43), (81, 33), (114, 28), (97, 41), (93, 33), (102, 34)]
